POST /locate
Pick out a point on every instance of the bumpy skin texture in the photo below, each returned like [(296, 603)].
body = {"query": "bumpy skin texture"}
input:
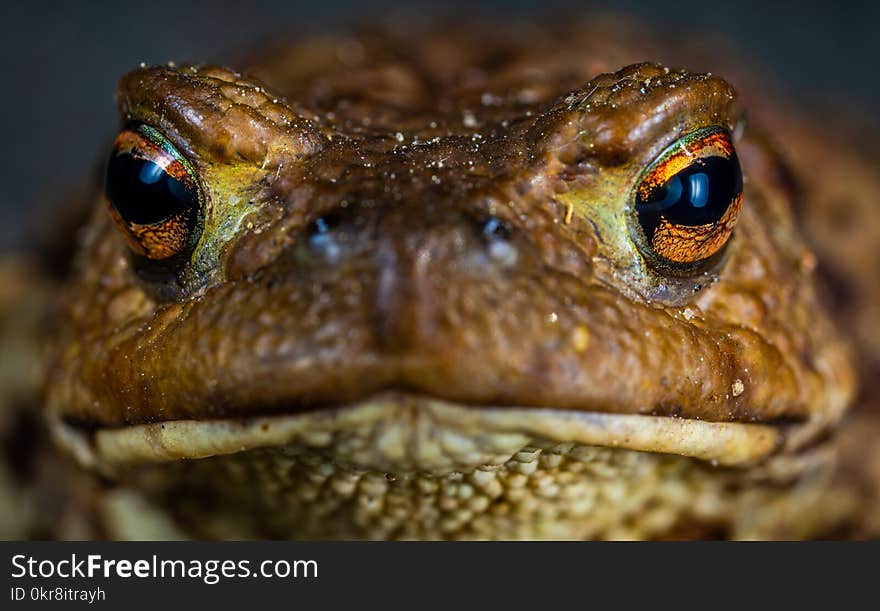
[(418, 353)]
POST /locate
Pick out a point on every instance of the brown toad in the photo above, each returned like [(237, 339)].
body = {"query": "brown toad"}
[(451, 284)]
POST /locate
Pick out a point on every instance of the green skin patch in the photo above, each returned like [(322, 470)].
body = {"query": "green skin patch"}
[(219, 217)]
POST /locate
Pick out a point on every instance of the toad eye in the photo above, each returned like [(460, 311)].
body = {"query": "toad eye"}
[(688, 200), (153, 195)]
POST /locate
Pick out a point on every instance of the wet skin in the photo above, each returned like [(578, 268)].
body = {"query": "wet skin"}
[(449, 285)]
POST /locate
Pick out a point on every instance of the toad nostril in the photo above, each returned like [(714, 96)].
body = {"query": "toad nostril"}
[(325, 223), (497, 234), (495, 228), (321, 237)]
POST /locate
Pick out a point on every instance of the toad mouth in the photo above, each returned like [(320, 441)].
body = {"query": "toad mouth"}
[(400, 432)]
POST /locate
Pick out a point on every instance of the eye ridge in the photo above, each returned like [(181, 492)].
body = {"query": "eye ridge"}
[(153, 195), (688, 200)]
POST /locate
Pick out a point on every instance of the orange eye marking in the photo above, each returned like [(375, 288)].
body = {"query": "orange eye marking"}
[(688, 200), (682, 244), (157, 241), (681, 155), (135, 144), (152, 195)]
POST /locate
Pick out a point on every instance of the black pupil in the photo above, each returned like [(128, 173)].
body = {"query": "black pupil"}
[(143, 193), (698, 195)]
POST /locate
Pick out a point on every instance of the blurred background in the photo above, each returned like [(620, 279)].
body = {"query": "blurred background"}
[(63, 61)]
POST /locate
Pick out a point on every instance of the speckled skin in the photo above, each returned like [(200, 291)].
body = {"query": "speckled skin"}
[(418, 380)]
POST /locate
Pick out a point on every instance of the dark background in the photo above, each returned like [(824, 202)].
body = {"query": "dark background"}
[(62, 60)]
